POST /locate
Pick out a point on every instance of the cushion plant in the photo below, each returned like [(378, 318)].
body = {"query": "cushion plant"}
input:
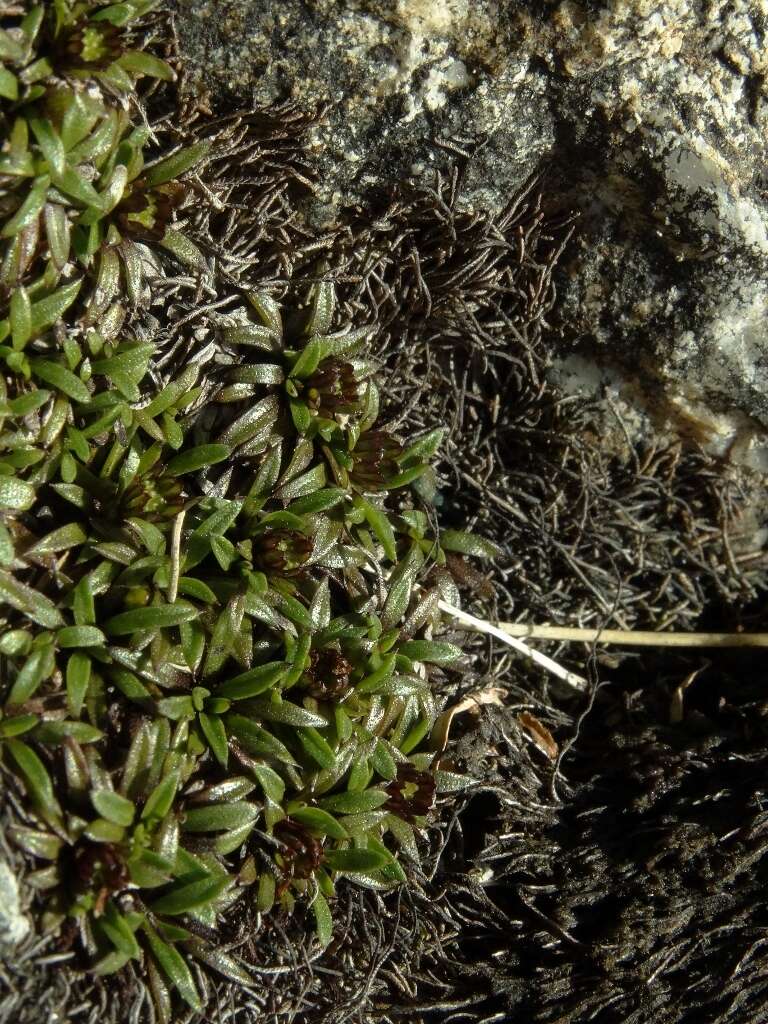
[(218, 594)]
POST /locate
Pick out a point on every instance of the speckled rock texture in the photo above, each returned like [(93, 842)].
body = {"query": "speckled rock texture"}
[(649, 118)]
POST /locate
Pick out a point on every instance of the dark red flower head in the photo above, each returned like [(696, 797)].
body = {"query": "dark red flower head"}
[(281, 551), (153, 496), (145, 214), (89, 44), (375, 459), (327, 676), (301, 853), (411, 793), (333, 388)]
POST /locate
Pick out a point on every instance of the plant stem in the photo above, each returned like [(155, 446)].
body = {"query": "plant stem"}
[(634, 638), (173, 582), (576, 681)]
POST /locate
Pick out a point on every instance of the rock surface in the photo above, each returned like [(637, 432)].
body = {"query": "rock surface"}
[(649, 118)]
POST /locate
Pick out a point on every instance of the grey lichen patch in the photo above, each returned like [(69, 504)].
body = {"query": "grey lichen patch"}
[(393, 76), (649, 118), (14, 926)]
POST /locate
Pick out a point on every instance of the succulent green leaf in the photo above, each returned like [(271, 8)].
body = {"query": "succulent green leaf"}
[(10, 49), (452, 782), (9, 85), (113, 807), (305, 483), (468, 544), (16, 496), (176, 165), (64, 537), (137, 62), (83, 605), (59, 732), (355, 803), (372, 682), (47, 311), (38, 781), (416, 734), (320, 501), (383, 762), (348, 342), (292, 608), (39, 844), (176, 708), (58, 234), (298, 659), (78, 120), (174, 967), (320, 606), (319, 821), (215, 733), (270, 782), (437, 652), (407, 476), (158, 617), (130, 687), (110, 964), (198, 458), (120, 13), (61, 378), (301, 416), (31, 603), (256, 740), (253, 682), (217, 960), (29, 209), (405, 836), (323, 919), (391, 871), (80, 636), (160, 800), (355, 860), (183, 248), (252, 334), (323, 306), (381, 526), (50, 144), (317, 747), (17, 725), (308, 359), (73, 184), (219, 817), (287, 714), (29, 402), (265, 896), (423, 448), (117, 929), (15, 641), (181, 899), (267, 310), (400, 587), (20, 317), (78, 677)]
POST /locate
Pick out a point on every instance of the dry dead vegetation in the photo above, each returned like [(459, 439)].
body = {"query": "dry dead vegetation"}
[(607, 864)]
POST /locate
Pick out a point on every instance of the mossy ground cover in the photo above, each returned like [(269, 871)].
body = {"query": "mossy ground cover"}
[(224, 551)]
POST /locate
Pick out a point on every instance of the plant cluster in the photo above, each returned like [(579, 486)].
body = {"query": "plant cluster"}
[(219, 595)]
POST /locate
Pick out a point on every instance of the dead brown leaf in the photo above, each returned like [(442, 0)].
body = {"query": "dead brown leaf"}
[(469, 702), (676, 708), (540, 734)]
